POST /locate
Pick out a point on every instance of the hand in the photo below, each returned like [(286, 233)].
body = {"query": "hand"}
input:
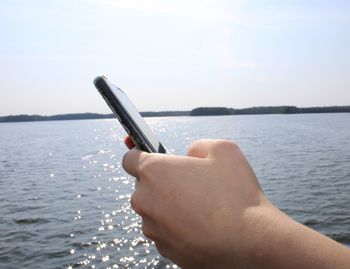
[(207, 210), (197, 209)]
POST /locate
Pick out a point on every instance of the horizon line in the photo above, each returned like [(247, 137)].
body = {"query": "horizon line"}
[(179, 110)]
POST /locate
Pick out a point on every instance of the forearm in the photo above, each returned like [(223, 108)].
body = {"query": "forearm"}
[(291, 245)]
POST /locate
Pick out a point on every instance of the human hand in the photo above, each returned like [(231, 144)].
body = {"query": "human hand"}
[(206, 210)]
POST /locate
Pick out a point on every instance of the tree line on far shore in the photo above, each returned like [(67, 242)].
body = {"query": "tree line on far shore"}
[(200, 111), (211, 111)]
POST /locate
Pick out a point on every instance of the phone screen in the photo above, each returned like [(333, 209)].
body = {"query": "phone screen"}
[(135, 115)]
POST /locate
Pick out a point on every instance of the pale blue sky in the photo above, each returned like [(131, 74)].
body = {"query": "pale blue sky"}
[(170, 55)]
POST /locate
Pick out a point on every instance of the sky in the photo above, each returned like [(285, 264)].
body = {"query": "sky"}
[(173, 55)]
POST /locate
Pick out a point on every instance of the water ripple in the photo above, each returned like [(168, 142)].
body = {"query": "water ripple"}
[(64, 198)]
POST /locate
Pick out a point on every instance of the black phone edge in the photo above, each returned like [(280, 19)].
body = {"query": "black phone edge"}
[(138, 137)]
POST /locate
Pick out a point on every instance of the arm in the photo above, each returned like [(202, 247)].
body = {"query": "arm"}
[(207, 210)]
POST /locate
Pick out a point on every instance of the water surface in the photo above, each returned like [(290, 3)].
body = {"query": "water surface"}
[(64, 198)]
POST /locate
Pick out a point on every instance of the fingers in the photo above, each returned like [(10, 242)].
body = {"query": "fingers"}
[(152, 232), (132, 160), (163, 250), (128, 142), (150, 229)]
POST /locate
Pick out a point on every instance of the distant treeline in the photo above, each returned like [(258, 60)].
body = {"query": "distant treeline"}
[(165, 113), (211, 111), (200, 111), (79, 116), (86, 116)]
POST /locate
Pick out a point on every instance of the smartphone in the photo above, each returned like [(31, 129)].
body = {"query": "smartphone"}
[(127, 114)]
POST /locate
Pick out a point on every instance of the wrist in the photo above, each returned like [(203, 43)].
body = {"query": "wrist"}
[(285, 243), (268, 229)]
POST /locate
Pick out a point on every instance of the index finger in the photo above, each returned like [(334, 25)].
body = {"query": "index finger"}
[(128, 142)]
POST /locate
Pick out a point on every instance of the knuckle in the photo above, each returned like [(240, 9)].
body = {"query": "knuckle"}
[(147, 167), (194, 146), (147, 231), (162, 250), (226, 145), (144, 172), (197, 144), (135, 204), (125, 161), (199, 148)]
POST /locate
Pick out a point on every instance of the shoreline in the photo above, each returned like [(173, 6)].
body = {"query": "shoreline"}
[(197, 112)]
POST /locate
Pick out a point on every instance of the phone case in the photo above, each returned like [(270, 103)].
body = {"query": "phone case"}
[(138, 136)]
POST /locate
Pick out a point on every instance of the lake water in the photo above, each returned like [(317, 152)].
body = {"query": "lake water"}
[(64, 198)]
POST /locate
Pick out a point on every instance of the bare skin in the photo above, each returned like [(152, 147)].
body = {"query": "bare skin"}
[(207, 210)]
